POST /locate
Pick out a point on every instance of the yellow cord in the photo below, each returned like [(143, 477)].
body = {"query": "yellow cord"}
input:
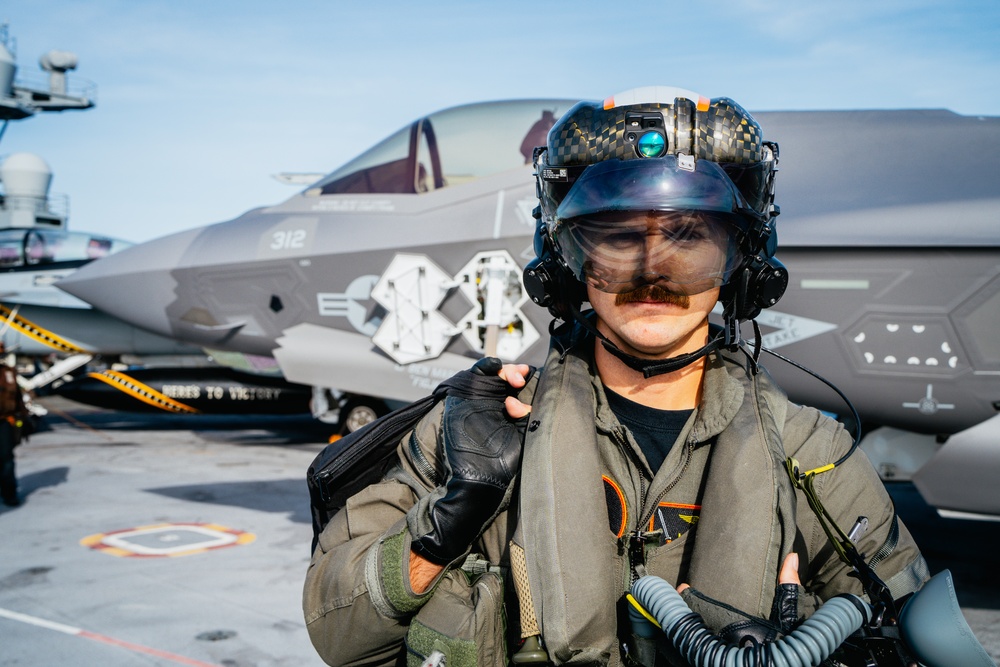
[(816, 471), (635, 603)]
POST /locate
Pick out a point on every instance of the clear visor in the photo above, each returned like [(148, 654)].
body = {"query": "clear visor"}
[(659, 184), (684, 252), (627, 223)]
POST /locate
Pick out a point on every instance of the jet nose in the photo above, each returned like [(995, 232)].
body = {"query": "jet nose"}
[(135, 285)]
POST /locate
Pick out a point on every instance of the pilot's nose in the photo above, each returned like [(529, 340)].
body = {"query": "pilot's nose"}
[(134, 285), (656, 250)]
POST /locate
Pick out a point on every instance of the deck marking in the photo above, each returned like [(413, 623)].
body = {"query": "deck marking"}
[(165, 540), (86, 634)]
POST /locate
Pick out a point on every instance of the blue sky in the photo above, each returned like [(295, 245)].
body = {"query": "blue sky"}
[(200, 102)]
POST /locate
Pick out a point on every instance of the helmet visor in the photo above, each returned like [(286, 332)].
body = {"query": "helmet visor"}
[(685, 252), (658, 184), (625, 223)]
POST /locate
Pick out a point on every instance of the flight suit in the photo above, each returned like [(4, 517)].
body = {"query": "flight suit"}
[(585, 486)]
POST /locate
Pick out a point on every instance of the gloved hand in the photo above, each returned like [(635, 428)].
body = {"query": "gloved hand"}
[(482, 455), (741, 629)]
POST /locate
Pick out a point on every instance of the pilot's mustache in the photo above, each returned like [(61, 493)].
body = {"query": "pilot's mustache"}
[(653, 293)]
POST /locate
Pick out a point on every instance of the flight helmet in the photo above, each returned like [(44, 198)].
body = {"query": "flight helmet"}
[(656, 185)]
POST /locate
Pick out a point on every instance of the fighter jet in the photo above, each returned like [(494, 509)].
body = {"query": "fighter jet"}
[(404, 264)]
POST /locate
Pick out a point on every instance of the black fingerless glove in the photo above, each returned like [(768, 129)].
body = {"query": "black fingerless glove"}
[(482, 455), (742, 629)]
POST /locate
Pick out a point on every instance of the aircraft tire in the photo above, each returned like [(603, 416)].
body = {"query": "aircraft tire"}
[(359, 411)]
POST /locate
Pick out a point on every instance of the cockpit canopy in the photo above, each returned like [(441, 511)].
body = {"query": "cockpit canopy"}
[(40, 248), (448, 148)]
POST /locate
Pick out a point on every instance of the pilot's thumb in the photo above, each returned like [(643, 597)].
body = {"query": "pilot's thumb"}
[(516, 409), (790, 570)]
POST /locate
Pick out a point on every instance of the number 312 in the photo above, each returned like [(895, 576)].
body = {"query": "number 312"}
[(288, 239)]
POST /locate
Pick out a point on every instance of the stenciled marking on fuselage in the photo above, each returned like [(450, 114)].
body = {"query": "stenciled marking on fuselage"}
[(788, 328), (892, 342), (424, 376), (413, 288), (349, 304), (354, 206), (215, 392), (929, 405), (288, 239)]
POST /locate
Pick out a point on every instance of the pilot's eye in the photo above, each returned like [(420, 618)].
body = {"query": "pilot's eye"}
[(686, 232), (621, 240)]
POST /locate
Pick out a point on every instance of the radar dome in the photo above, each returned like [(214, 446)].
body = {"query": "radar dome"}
[(25, 175), (58, 61)]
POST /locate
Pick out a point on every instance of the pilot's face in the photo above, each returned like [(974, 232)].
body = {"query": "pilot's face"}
[(682, 252), (651, 323), (655, 319)]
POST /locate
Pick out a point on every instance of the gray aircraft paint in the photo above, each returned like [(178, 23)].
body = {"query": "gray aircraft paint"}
[(888, 225)]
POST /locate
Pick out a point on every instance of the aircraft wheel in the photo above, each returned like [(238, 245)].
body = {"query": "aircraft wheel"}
[(360, 411)]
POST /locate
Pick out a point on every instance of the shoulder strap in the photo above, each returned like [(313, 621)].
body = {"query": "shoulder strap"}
[(361, 458)]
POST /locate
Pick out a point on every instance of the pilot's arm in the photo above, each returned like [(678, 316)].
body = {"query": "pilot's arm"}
[(358, 598), (850, 490), (357, 602)]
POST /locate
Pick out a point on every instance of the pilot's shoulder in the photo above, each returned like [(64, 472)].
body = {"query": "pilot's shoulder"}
[(810, 434)]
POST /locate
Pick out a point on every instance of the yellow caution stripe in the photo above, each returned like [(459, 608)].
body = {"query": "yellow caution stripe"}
[(142, 392), (44, 336)]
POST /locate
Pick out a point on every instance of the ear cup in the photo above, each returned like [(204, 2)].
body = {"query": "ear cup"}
[(758, 284), (549, 284)]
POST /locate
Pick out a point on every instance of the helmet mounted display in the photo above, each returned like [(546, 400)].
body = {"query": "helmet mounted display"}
[(627, 184)]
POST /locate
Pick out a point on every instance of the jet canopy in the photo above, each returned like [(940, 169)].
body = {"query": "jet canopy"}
[(33, 249), (448, 148)]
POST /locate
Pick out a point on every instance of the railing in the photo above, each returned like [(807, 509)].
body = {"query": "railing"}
[(56, 204), (75, 86)]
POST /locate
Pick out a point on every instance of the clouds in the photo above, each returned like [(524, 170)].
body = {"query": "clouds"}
[(200, 102)]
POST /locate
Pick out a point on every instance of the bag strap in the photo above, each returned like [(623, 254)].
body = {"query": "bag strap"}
[(362, 457)]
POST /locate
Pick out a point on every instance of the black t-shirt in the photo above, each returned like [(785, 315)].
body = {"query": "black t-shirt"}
[(654, 430)]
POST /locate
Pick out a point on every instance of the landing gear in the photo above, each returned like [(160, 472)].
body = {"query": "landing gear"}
[(358, 411)]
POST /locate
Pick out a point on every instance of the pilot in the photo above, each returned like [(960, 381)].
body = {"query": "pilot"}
[(653, 442)]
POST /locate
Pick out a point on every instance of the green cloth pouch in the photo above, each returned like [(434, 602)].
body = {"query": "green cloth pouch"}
[(464, 620)]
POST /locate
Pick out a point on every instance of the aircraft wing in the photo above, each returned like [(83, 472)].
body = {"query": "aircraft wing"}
[(324, 357)]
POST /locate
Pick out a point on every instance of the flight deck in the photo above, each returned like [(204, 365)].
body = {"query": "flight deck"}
[(184, 540)]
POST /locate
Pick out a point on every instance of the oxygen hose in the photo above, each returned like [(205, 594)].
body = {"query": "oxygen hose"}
[(809, 644)]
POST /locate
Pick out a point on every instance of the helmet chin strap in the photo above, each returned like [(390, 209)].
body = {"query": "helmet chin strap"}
[(651, 367)]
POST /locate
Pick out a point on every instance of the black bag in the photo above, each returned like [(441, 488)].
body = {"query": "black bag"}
[(361, 458)]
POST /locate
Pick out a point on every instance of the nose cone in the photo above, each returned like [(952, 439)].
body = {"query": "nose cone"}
[(135, 285)]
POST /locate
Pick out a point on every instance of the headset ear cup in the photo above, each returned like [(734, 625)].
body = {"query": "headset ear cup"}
[(550, 284), (769, 283), (756, 285)]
